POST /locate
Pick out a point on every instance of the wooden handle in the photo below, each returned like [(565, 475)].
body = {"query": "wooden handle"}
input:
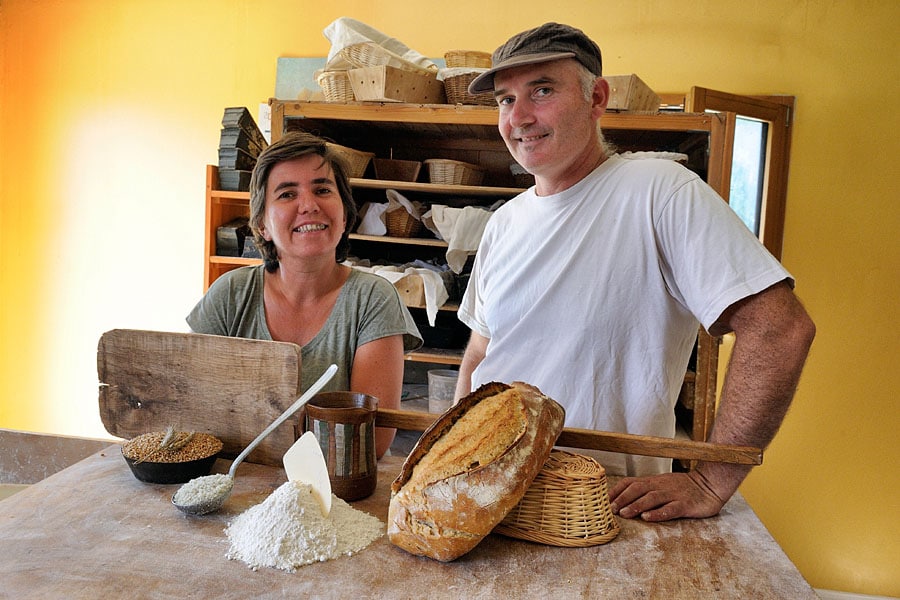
[(604, 440)]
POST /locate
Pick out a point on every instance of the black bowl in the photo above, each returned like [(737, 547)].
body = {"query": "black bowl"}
[(171, 472)]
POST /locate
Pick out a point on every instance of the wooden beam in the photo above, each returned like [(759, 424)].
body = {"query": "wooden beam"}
[(604, 440)]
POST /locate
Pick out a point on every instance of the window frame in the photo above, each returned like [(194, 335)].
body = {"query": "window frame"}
[(777, 111)]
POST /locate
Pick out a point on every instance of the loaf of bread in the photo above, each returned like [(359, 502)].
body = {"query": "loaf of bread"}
[(470, 468)]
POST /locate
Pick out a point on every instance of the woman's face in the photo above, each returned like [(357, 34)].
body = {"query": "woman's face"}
[(304, 214)]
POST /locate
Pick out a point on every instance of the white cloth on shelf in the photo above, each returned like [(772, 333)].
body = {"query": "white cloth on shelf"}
[(371, 219), (435, 290), (344, 31), (461, 228)]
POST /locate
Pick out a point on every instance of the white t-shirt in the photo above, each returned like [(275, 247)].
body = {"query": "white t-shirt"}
[(595, 294)]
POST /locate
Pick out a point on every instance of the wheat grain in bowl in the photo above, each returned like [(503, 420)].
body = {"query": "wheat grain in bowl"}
[(171, 456)]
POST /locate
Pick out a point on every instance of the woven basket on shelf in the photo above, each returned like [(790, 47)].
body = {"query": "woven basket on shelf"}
[(566, 505), (456, 87), (356, 160), (367, 54), (394, 169), (400, 223), (468, 58), (336, 86), (370, 54), (444, 171)]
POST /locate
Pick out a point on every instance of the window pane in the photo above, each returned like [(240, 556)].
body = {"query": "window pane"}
[(748, 170)]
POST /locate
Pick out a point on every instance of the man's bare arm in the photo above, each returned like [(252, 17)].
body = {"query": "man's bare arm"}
[(773, 334)]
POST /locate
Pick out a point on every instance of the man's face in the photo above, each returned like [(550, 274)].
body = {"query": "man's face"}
[(547, 122)]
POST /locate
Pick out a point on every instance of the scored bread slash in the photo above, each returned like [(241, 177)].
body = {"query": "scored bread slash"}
[(304, 462)]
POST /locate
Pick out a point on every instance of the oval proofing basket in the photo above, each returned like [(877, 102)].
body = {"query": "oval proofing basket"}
[(566, 505), (336, 86), (468, 58), (444, 171), (456, 87), (357, 161)]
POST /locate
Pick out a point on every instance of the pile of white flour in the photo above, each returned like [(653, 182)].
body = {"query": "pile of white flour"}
[(288, 530)]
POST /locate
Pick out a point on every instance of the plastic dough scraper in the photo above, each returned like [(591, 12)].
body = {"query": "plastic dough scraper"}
[(304, 462)]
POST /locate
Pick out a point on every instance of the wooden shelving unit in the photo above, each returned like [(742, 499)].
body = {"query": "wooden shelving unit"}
[(469, 133)]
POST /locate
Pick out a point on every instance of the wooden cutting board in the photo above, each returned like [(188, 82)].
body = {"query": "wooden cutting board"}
[(232, 388)]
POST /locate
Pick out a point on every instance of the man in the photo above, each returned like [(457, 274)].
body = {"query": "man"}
[(592, 284)]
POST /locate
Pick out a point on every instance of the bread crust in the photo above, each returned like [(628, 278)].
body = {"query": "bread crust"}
[(448, 517)]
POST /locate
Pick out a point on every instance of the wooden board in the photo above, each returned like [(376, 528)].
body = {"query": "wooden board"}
[(232, 388)]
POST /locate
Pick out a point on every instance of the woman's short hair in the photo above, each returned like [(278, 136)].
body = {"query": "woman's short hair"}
[(297, 144)]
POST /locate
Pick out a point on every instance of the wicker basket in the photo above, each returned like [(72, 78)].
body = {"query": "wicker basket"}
[(444, 171), (336, 86), (566, 505), (456, 87), (468, 58), (393, 169), (400, 223), (357, 161), (367, 54), (370, 54)]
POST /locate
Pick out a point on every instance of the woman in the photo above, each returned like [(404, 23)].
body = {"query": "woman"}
[(301, 214)]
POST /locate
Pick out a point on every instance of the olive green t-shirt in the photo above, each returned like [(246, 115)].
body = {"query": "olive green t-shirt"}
[(368, 308)]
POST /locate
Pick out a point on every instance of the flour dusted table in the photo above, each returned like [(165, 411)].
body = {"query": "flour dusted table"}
[(94, 531)]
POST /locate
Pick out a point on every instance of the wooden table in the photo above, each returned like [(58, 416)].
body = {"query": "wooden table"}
[(94, 531)]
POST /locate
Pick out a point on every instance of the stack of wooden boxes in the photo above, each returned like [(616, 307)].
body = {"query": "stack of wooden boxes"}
[(240, 144)]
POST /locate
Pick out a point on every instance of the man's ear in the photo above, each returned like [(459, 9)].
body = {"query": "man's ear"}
[(600, 96)]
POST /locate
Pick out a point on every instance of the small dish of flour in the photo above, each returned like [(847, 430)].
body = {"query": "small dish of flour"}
[(288, 531)]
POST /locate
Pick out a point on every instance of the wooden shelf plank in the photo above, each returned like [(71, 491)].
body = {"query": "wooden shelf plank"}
[(480, 191), (471, 114), (390, 111), (387, 239), (234, 260), (443, 356), (224, 196)]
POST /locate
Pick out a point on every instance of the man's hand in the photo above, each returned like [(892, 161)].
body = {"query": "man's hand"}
[(665, 497)]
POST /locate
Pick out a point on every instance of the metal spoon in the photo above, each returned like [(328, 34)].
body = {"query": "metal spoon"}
[(215, 489)]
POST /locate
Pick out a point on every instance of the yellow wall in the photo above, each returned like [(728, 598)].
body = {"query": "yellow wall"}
[(110, 110)]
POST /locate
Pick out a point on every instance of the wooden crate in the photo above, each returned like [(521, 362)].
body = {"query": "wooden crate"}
[(630, 93), (390, 84)]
